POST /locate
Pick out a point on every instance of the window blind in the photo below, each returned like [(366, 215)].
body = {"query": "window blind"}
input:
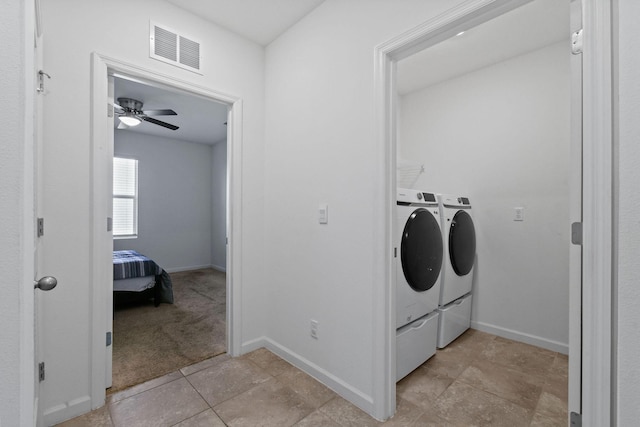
[(125, 197)]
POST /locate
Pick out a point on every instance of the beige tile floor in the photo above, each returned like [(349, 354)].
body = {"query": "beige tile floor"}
[(478, 380)]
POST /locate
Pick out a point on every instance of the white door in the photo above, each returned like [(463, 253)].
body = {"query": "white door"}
[(42, 283), (38, 214), (575, 217)]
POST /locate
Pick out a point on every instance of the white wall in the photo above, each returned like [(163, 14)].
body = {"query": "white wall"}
[(500, 135), (16, 214), (175, 200), (219, 208), (628, 316), (11, 182), (230, 64), (11, 21), (320, 147)]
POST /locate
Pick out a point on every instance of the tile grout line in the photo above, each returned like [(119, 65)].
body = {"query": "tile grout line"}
[(148, 389), (231, 397)]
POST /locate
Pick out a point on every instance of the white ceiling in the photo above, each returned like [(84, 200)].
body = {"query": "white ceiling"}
[(200, 120), (261, 21), (530, 27)]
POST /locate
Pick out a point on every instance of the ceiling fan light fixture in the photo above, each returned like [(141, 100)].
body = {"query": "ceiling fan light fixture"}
[(130, 120)]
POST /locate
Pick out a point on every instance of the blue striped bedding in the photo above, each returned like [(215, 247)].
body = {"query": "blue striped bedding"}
[(128, 264)]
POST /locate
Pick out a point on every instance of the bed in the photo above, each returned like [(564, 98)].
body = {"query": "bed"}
[(137, 277)]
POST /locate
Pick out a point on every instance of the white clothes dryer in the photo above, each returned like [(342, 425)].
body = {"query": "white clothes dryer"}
[(419, 255), (459, 238)]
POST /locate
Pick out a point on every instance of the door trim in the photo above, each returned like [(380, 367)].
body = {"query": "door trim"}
[(597, 198), (101, 258), (598, 399), (575, 216)]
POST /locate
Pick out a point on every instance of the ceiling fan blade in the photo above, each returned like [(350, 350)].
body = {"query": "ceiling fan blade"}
[(160, 112), (158, 122)]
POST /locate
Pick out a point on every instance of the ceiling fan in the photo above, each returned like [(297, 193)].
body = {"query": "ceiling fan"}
[(130, 113)]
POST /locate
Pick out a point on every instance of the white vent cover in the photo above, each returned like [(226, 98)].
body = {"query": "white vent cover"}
[(168, 46)]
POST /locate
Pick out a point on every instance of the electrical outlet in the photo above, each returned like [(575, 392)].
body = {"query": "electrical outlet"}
[(314, 329)]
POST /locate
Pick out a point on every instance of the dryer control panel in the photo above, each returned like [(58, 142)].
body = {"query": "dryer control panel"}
[(455, 201), (429, 197), (409, 197)]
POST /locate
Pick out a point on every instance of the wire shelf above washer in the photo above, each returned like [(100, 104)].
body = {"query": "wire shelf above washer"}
[(407, 173)]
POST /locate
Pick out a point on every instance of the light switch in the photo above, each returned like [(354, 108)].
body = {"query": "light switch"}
[(518, 214), (323, 213)]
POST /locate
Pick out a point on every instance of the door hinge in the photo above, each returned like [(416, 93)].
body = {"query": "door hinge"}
[(40, 227), (576, 233), (109, 224), (41, 371), (576, 419), (576, 42), (395, 252), (109, 110), (108, 339)]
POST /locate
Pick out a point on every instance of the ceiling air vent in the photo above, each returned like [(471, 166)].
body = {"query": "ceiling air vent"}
[(168, 46)]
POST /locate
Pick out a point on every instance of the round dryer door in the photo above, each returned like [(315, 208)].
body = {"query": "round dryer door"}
[(421, 250), (462, 243)]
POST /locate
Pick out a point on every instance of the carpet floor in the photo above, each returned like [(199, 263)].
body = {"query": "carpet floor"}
[(149, 341)]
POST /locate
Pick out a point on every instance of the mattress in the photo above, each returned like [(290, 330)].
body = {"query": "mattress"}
[(129, 264), (134, 284)]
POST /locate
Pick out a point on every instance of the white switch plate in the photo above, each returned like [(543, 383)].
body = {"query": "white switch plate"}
[(518, 214), (314, 329), (323, 213)]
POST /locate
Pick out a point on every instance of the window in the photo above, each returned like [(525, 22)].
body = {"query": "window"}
[(125, 198)]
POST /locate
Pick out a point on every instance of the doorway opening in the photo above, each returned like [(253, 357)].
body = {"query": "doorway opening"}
[(171, 208), (447, 28), (227, 241)]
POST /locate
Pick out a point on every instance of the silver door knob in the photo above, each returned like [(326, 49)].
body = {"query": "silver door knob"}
[(46, 283)]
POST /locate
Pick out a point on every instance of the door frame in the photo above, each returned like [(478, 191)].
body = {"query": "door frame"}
[(596, 127), (101, 239), (598, 395)]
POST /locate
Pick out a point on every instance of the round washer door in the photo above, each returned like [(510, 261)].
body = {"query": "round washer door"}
[(462, 243), (421, 250)]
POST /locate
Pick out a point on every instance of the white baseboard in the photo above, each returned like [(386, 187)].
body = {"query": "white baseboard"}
[(217, 267), (521, 337), (194, 267), (342, 388), (66, 411), (249, 346)]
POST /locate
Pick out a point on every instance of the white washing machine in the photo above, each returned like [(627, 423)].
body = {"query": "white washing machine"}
[(419, 253), (459, 238)]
